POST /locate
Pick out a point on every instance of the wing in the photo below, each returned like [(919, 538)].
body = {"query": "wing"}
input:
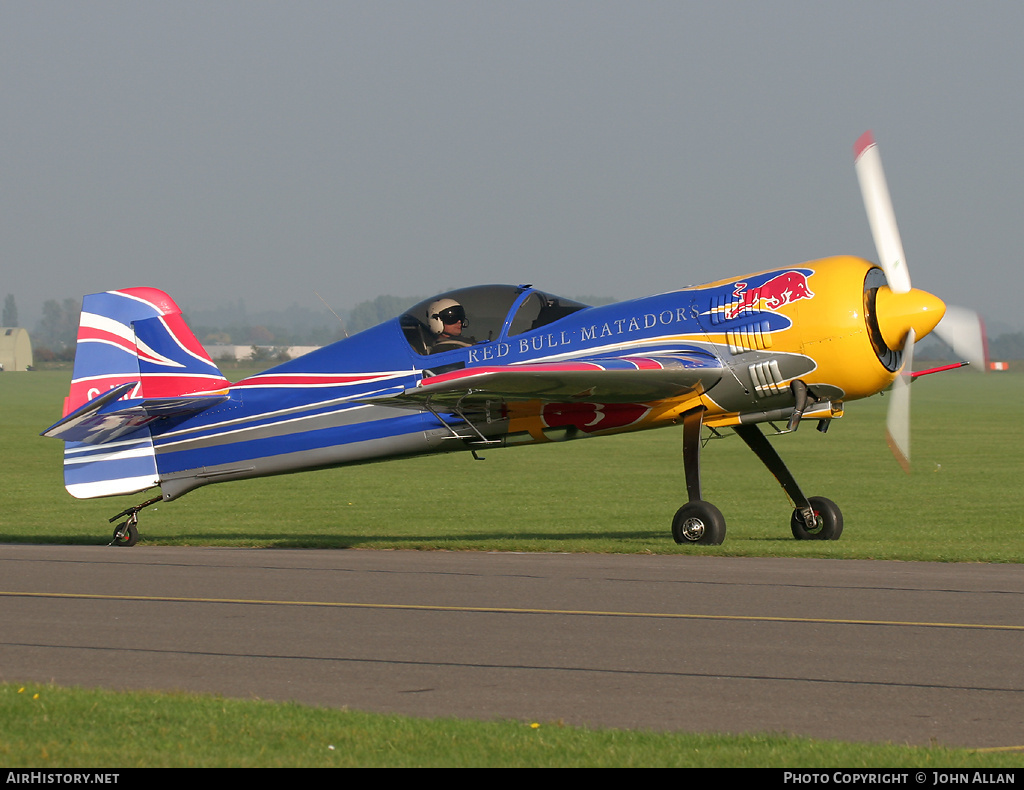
[(604, 380)]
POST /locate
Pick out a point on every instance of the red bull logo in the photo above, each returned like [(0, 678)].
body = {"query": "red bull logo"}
[(592, 417), (773, 294)]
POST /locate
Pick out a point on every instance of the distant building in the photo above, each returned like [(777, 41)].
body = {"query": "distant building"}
[(243, 353), (15, 349)]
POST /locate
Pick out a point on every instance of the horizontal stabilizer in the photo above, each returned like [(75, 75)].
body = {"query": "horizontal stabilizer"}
[(106, 418)]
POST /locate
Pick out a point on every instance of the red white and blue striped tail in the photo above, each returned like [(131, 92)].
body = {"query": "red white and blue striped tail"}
[(136, 361)]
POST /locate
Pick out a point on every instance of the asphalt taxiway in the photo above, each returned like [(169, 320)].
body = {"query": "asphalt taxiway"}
[(904, 652)]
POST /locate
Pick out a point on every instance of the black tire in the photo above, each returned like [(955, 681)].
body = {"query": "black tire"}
[(699, 523), (126, 534), (828, 516)]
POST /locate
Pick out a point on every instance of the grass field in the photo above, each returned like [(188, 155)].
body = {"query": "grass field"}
[(44, 726), (963, 501)]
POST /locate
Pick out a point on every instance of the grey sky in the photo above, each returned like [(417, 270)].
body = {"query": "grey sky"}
[(264, 151)]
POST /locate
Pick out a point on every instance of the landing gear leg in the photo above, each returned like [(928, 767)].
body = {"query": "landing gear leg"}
[(816, 518), (127, 532), (697, 521)]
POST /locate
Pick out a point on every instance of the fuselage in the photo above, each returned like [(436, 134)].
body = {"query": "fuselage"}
[(758, 333)]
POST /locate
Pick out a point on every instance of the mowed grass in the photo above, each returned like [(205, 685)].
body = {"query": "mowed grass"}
[(44, 726), (962, 502)]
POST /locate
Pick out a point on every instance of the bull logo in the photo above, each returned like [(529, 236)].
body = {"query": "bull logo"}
[(591, 417), (776, 292)]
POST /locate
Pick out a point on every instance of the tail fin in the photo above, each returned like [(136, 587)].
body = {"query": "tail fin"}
[(138, 334), (133, 341)]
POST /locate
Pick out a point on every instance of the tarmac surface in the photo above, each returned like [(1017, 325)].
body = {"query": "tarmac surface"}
[(916, 653)]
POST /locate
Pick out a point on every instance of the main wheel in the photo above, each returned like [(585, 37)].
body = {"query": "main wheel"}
[(828, 518), (699, 522), (126, 534)]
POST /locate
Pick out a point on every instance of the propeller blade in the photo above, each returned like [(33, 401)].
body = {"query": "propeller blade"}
[(964, 332), (881, 216), (897, 420)]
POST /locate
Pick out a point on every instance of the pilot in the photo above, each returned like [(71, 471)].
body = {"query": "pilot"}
[(446, 319)]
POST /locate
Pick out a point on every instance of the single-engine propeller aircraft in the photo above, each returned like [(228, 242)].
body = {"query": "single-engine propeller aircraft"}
[(501, 366)]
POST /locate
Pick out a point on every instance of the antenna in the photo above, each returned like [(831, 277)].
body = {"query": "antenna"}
[(318, 296)]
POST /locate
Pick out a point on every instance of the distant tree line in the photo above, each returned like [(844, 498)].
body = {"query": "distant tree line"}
[(10, 314), (1004, 347), (54, 336), (377, 311), (264, 335), (1008, 346)]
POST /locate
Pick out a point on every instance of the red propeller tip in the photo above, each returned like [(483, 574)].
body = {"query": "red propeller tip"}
[(864, 142)]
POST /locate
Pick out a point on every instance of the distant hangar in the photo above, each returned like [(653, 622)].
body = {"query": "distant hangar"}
[(15, 349)]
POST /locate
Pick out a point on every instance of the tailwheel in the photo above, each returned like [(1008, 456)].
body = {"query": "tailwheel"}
[(699, 522), (126, 533), (827, 521)]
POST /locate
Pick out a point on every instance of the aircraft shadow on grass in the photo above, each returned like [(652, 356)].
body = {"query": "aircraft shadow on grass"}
[(341, 541)]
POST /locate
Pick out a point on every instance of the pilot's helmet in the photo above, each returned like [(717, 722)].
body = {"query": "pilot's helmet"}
[(444, 311)]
